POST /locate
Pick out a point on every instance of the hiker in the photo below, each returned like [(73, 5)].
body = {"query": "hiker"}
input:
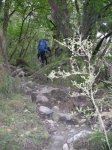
[(43, 48)]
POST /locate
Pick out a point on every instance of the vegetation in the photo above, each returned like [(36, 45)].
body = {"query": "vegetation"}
[(69, 24), (94, 141), (24, 23), (88, 72), (19, 121)]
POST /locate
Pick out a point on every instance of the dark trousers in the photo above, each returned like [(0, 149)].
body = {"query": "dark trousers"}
[(42, 56)]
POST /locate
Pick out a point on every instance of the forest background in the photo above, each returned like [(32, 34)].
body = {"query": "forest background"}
[(24, 22)]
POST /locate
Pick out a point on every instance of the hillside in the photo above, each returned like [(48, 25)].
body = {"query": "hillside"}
[(42, 115)]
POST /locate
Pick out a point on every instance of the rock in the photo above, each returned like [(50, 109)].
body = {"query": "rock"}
[(82, 134), (41, 98), (68, 118), (51, 122), (51, 126), (65, 146), (14, 73), (21, 74), (82, 121), (72, 130), (47, 89), (38, 98), (52, 130), (56, 108), (27, 90), (55, 116), (45, 110), (76, 137), (77, 126), (70, 140), (56, 142), (30, 84), (18, 72)]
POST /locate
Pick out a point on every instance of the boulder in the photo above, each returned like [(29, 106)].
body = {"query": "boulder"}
[(45, 110)]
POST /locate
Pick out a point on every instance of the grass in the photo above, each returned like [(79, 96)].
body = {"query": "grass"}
[(19, 118), (97, 141), (19, 121)]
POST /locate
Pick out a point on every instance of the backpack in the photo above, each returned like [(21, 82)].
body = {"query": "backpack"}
[(42, 46)]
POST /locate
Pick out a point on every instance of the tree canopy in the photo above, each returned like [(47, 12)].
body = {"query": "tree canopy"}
[(24, 22)]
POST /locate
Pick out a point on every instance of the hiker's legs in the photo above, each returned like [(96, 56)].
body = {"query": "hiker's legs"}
[(42, 57), (45, 58), (39, 57)]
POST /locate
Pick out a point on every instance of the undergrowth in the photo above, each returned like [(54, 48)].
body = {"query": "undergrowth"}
[(19, 121)]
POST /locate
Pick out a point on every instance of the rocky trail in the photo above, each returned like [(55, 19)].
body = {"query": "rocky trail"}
[(61, 115), (68, 119)]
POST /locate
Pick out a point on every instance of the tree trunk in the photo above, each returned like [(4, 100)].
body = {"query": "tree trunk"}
[(61, 18), (3, 51), (0, 4), (89, 17), (91, 14), (6, 16)]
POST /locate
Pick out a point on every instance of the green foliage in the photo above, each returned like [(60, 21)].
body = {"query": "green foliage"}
[(19, 123), (6, 81), (7, 142), (98, 142), (28, 23), (14, 27), (35, 18), (94, 141)]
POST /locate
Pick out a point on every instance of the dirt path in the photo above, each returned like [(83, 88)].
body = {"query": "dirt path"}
[(60, 115)]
